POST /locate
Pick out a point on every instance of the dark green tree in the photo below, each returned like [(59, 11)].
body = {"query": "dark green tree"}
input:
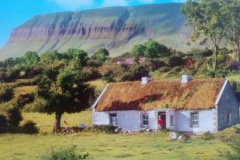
[(64, 92), (101, 55), (50, 57), (137, 52), (31, 58), (79, 57), (231, 9), (155, 50), (208, 22)]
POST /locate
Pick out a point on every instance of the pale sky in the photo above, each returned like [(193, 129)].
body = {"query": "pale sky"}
[(15, 12)]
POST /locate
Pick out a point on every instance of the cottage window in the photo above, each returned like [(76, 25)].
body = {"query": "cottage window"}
[(171, 120), (194, 119), (228, 119), (113, 119), (145, 120)]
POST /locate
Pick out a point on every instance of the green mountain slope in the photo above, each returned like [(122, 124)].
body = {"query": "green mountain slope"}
[(116, 28)]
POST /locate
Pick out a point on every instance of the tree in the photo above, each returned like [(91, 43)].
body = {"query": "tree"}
[(101, 55), (231, 8), (50, 57), (155, 50), (31, 58), (79, 57), (137, 52), (64, 92), (208, 22)]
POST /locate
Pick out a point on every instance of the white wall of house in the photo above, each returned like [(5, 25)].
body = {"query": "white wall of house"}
[(181, 120), (206, 121), (171, 121), (152, 119), (101, 118), (127, 120)]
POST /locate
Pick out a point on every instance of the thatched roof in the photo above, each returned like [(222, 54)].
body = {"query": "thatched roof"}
[(196, 94)]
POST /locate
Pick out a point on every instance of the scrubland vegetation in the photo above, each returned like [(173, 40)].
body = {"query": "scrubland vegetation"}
[(36, 89), (25, 89)]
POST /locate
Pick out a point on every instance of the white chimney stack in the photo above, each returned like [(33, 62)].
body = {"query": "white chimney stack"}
[(186, 78), (145, 80)]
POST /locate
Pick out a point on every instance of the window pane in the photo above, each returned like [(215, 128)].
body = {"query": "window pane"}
[(145, 119), (194, 119)]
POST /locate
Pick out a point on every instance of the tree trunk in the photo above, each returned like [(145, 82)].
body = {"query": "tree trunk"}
[(57, 122), (215, 65), (238, 52)]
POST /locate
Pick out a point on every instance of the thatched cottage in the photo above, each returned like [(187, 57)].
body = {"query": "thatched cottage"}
[(186, 105)]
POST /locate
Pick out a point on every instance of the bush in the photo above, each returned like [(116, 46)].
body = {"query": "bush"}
[(207, 136), (176, 60), (64, 154), (198, 55), (29, 127), (3, 123), (103, 128), (6, 93), (13, 115), (164, 69), (215, 73), (24, 99)]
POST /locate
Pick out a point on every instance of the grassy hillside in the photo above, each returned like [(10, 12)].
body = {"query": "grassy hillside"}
[(132, 146), (116, 28)]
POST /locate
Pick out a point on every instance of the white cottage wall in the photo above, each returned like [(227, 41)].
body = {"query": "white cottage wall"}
[(206, 121), (101, 118), (129, 120), (171, 122), (152, 119)]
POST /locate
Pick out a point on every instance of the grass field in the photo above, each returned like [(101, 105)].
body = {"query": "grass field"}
[(132, 146)]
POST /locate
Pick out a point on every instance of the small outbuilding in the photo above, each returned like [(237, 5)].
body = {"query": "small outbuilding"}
[(185, 105)]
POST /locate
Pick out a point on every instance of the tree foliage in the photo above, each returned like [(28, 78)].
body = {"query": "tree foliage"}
[(31, 58), (137, 52), (64, 91), (79, 57), (231, 9), (208, 21), (155, 50), (101, 55)]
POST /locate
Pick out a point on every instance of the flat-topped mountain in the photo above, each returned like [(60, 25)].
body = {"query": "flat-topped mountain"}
[(116, 28)]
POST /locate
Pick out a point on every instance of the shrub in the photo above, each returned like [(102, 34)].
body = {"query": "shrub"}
[(207, 136), (215, 73), (29, 127), (24, 99), (176, 60), (235, 145), (164, 69), (64, 154), (103, 128), (91, 73), (3, 123), (6, 93), (198, 55), (13, 115)]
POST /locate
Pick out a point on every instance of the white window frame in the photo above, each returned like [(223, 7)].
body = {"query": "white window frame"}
[(145, 119), (113, 119), (194, 119)]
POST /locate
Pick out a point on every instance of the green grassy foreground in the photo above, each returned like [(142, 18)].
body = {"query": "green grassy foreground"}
[(132, 146)]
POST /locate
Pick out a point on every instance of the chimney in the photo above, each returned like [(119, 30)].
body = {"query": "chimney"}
[(186, 78), (145, 80)]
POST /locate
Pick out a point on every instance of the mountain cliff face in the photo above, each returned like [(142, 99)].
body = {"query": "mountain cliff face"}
[(116, 28)]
